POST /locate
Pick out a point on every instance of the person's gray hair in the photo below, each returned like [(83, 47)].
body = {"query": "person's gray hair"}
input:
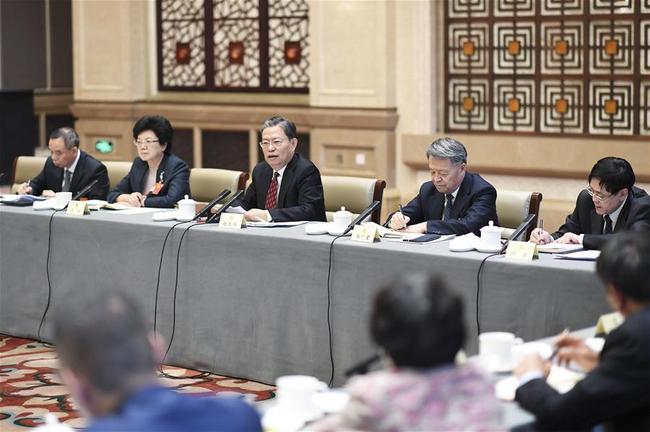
[(448, 148), (285, 124), (69, 136)]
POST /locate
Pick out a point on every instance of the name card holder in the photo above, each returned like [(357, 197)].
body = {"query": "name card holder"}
[(232, 221), (365, 233), (78, 208), (521, 250)]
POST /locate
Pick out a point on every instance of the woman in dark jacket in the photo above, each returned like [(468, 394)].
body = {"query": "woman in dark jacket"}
[(157, 177)]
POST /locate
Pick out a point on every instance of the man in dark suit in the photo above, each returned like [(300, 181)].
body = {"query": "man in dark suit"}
[(108, 360), (615, 389), (286, 186), (610, 204), (454, 201), (68, 169)]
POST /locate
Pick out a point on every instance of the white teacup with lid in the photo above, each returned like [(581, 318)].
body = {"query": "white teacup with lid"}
[(490, 238), (186, 209), (342, 218)]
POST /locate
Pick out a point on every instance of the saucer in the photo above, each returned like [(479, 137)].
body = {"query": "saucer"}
[(487, 249), (461, 246), (316, 228)]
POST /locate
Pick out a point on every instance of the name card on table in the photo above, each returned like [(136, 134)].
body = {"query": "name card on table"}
[(78, 208), (232, 221), (521, 250), (365, 233)]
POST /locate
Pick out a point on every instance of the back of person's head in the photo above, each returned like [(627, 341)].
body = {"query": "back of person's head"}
[(68, 135), (103, 338), (613, 173), (285, 124), (418, 321), (448, 148), (158, 125), (624, 262)]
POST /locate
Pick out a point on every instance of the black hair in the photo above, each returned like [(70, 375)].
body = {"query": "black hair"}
[(69, 136), (287, 126), (160, 126), (614, 174), (418, 321), (624, 262), (103, 338)]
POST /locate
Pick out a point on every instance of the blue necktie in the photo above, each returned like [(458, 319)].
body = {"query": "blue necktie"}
[(446, 214)]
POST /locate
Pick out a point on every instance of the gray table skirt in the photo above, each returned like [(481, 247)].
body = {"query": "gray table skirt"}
[(253, 303)]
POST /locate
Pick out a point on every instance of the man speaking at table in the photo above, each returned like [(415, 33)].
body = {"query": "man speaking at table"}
[(286, 186), (454, 201), (610, 204), (68, 169)]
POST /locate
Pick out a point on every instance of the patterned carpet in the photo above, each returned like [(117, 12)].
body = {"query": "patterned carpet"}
[(30, 386)]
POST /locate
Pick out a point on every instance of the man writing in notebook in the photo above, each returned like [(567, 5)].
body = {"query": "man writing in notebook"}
[(454, 201), (610, 204)]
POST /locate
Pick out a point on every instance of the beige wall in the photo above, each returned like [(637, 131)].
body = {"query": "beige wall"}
[(376, 98)]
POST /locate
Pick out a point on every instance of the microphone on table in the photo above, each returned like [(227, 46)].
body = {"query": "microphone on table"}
[(215, 216), (85, 190), (390, 217), (520, 229), (364, 214), (205, 210), (363, 366)]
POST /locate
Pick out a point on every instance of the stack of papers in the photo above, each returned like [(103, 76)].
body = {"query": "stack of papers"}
[(556, 247), (583, 255)]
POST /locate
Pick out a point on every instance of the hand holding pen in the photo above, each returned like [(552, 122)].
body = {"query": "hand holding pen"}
[(399, 220)]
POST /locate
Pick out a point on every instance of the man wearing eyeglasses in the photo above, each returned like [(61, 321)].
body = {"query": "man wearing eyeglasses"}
[(286, 186), (68, 169), (610, 204)]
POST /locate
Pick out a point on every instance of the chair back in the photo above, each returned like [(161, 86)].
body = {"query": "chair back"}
[(117, 170), (353, 193), (206, 183), (25, 169), (512, 209)]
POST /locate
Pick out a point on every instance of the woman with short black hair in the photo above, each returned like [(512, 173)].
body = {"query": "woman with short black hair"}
[(418, 322), (157, 177)]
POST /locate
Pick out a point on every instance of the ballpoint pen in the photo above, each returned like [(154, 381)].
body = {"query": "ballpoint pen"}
[(566, 331)]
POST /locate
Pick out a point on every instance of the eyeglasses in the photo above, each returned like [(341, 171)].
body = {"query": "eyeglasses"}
[(148, 141), (275, 143), (597, 195)]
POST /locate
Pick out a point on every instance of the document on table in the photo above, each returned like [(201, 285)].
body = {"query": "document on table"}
[(556, 247), (126, 210), (264, 224), (583, 255)]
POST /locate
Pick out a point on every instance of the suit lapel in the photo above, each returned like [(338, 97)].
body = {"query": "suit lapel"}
[(461, 198), (437, 205), (621, 222), (78, 171), (596, 222), (264, 182), (287, 179)]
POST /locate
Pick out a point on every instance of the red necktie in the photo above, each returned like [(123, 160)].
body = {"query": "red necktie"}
[(272, 194)]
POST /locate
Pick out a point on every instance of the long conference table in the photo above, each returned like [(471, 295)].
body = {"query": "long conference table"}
[(253, 303)]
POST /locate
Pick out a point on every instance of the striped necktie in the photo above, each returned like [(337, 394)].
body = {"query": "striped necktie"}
[(272, 194)]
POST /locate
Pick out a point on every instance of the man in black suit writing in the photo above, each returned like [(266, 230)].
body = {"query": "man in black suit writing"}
[(610, 204), (615, 389), (454, 201), (68, 169), (286, 186)]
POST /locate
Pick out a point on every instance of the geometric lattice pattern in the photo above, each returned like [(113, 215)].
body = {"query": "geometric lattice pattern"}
[(548, 66), (288, 47), (233, 45), (182, 44)]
